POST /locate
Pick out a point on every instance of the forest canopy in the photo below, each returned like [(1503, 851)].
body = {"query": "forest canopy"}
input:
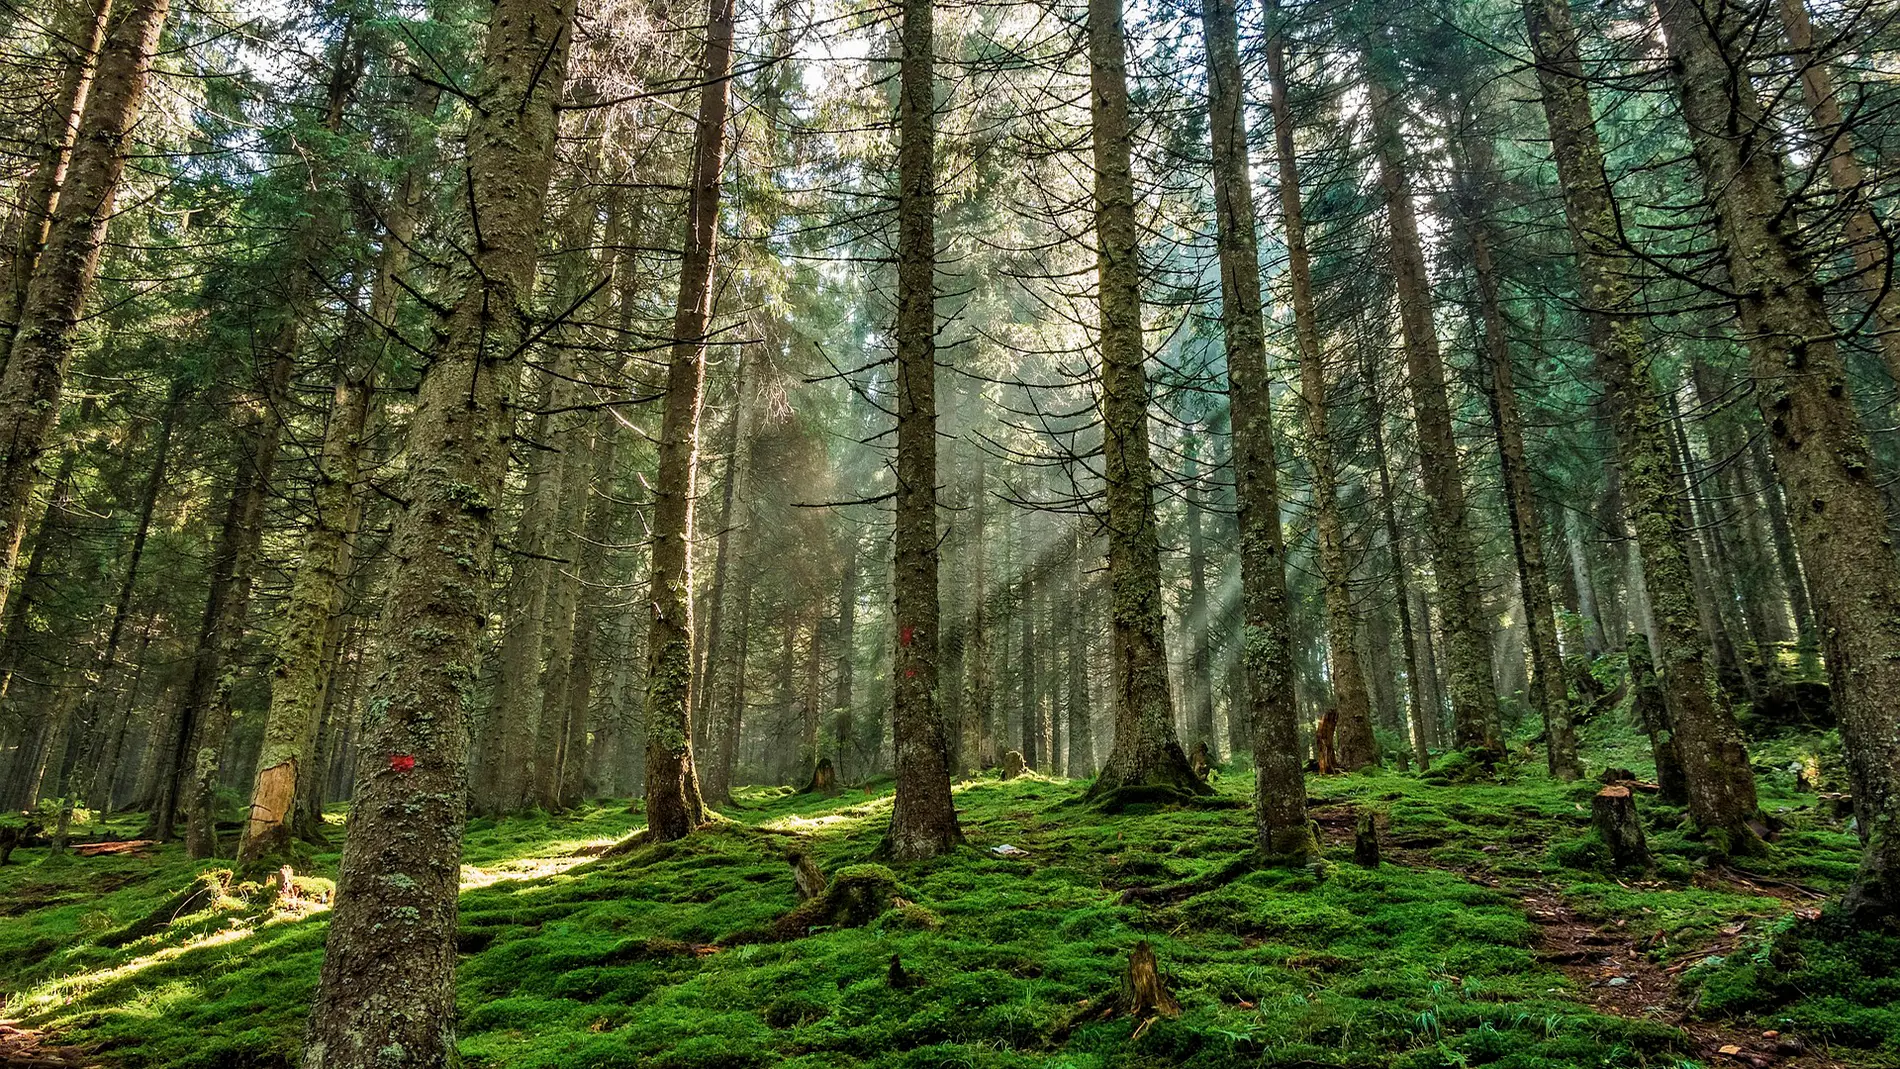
[(1226, 526)]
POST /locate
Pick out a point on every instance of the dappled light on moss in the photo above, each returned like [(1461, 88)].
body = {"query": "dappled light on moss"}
[(648, 958)]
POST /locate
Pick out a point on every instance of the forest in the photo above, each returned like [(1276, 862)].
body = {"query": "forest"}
[(949, 533)]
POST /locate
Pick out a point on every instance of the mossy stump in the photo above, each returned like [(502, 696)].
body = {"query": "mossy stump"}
[(1014, 765), (1144, 993), (824, 779), (1365, 841), (1201, 761), (856, 896), (1613, 818)]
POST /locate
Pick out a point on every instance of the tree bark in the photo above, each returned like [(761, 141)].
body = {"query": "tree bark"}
[(1281, 830), (674, 806), (1550, 688), (62, 278), (1471, 687), (1421, 694), (79, 26), (1351, 701), (1721, 785), (844, 726), (388, 978), (1147, 752), (1802, 391), (1196, 625), (923, 816)]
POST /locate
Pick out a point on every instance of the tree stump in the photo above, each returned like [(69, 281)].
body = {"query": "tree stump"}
[(1365, 841), (824, 779), (1323, 741), (806, 877), (1202, 762), (1613, 816), (1143, 991), (1014, 765), (897, 977)]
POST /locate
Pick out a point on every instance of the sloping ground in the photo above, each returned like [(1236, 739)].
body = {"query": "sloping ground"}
[(1470, 946)]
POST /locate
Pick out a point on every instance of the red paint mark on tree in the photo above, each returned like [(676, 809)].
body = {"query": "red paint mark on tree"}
[(905, 634), (402, 762), (910, 673)]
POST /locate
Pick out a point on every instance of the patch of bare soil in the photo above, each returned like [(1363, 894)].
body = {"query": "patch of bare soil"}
[(25, 1048), (1615, 974), (1610, 966)]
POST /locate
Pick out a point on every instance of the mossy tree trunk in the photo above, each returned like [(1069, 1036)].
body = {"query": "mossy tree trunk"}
[(570, 434), (1801, 387), (716, 783), (1281, 829), (387, 988), (300, 676), (1147, 752), (979, 744), (63, 274), (1470, 683), (923, 816), (78, 31), (1196, 624), (674, 806), (1081, 731), (1862, 232), (1550, 688), (844, 728), (1720, 784), (1351, 699), (1420, 692)]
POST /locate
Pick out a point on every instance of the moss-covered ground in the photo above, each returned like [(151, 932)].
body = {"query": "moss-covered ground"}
[(658, 957)]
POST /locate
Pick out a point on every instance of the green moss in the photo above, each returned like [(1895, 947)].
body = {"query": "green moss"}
[(574, 961)]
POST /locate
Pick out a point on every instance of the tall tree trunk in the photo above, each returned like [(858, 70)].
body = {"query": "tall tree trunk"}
[(78, 30), (1596, 637), (507, 758), (1709, 570), (1351, 702), (62, 278), (1196, 625), (1801, 388), (704, 701), (1471, 686), (1281, 830), (1081, 738), (1720, 783), (1550, 688), (1421, 694), (388, 979), (305, 655), (674, 807), (923, 816), (1028, 695), (844, 730), (204, 717), (1787, 558), (1862, 232), (979, 747), (1146, 752), (107, 709)]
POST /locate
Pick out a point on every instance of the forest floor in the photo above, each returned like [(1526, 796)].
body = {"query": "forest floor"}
[(1487, 937)]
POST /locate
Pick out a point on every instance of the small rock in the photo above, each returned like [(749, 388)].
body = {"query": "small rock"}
[(1618, 981), (1790, 1046)]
